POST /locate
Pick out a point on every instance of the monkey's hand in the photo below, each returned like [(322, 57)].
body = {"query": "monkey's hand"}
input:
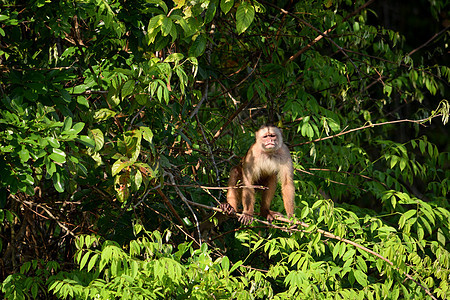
[(246, 219), (227, 208)]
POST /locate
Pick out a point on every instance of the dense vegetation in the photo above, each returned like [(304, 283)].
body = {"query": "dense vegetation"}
[(119, 118)]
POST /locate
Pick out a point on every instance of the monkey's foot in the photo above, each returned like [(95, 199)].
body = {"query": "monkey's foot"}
[(246, 219), (270, 216), (227, 208)]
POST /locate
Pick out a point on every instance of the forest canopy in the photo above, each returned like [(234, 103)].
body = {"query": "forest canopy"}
[(120, 122)]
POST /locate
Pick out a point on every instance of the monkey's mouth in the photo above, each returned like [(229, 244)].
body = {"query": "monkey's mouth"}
[(270, 145)]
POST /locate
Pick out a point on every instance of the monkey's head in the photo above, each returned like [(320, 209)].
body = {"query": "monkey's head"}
[(270, 138)]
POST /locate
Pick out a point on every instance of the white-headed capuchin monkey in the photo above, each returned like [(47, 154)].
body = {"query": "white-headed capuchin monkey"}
[(267, 161)]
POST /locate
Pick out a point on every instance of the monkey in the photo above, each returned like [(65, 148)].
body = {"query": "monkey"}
[(267, 161)]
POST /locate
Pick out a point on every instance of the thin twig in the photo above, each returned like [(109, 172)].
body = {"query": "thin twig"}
[(242, 106), (429, 41), (333, 181), (368, 126), (170, 206), (176, 225), (49, 213), (348, 173), (210, 152), (197, 224), (259, 187)]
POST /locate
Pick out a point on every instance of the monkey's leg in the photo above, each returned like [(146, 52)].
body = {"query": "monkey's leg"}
[(233, 195), (267, 197), (248, 202), (288, 192)]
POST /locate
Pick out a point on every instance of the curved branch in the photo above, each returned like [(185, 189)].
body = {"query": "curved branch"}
[(368, 126)]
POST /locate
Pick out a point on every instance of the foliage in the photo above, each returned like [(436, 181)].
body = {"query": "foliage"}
[(149, 269), (114, 113)]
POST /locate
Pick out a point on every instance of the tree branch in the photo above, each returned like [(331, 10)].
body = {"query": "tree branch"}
[(368, 126)]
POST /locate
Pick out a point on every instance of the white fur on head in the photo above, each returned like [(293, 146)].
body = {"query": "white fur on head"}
[(266, 143)]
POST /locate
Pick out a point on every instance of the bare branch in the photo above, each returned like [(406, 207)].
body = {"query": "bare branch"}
[(368, 126), (197, 224)]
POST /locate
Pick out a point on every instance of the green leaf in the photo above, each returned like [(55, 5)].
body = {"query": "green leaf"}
[(24, 155), (77, 128), (87, 141), (394, 160), (244, 16), (92, 262), (138, 179), (160, 3), (210, 12), (174, 57), (121, 186), (225, 263), (58, 182), (50, 167), (403, 162), (236, 265), (83, 101), (387, 89), (119, 165), (154, 27), (127, 88), (67, 124), (53, 142), (407, 215), (147, 133), (360, 277), (103, 114), (58, 156), (166, 26), (97, 135), (113, 98), (226, 5), (84, 260), (198, 46), (141, 99)]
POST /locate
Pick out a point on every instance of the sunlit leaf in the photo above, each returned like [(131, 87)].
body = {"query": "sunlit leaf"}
[(58, 182), (97, 135), (244, 16), (58, 156), (104, 114), (87, 141), (226, 5)]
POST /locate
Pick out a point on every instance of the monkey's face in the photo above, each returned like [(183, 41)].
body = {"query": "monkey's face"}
[(269, 138)]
